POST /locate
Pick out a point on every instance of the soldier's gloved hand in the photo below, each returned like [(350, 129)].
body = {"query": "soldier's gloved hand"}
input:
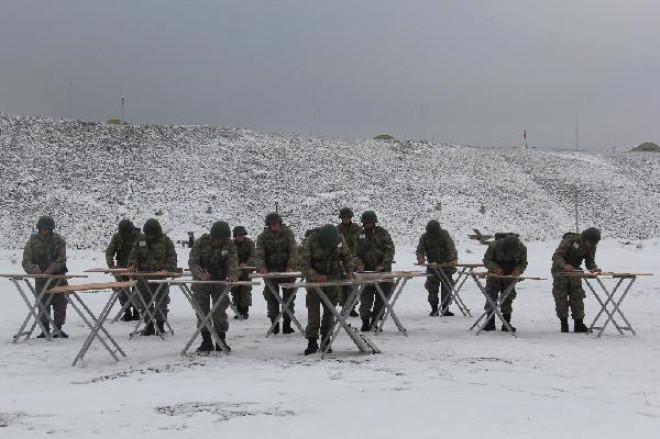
[(568, 267), (360, 268), (321, 278), (36, 270), (596, 270), (205, 276), (420, 261), (263, 271), (498, 271), (453, 262), (132, 268), (379, 268), (231, 279)]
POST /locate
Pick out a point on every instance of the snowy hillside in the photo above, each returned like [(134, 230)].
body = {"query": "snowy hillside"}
[(89, 175)]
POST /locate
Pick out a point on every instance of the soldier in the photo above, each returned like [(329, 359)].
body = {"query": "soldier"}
[(277, 252), (436, 246), (45, 253), (567, 290), (116, 256), (374, 252), (350, 232), (213, 257), (324, 257), (153, 251), (507, 255), (242, 296)]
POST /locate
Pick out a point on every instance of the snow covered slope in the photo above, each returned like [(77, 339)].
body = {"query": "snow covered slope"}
[(89, 175)]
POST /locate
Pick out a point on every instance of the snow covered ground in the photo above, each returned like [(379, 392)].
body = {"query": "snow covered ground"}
[(441, 380)]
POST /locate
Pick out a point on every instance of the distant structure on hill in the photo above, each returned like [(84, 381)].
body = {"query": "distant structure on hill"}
[(646, 147), (385, 137)]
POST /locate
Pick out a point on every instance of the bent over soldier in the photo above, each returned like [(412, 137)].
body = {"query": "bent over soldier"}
[(324, 257), (277, 252), (45, 253), (507, 255), (350, 232), (374, 252), (245, 249), (153, 251), (436, 247), (213, 257), (116, 256), (567, 290)]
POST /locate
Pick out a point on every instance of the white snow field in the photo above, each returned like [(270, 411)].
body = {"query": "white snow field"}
[(441, 381)]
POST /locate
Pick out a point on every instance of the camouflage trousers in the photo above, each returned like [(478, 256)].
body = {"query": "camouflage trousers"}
[(147, 294), (314, 321), (242, 296), (494, 288), (370, 297), (204, 295), (568, 293), (433, 284), (57, 302), (272, 303)]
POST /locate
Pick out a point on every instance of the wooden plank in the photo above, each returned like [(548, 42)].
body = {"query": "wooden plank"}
[(456, 265), (335, 283), (506, 276), (90, 288), (279, 275), (20, 276), (202, 282)]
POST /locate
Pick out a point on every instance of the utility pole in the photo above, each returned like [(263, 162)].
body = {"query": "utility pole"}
[(421, 118), (577, 132), (577, 212), (70, 99), (123, 101)]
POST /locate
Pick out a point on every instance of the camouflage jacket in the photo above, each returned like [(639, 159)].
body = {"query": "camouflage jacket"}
[(439, 249), (350, 233), (497, 257), (333, 262), (573, 251), (246, 255), (374, 247), (220, 262), (48, 254), (154, 256), (276, 252), (119, 249)]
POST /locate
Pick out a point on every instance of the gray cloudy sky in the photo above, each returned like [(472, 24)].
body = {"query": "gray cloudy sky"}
[(484, 70)]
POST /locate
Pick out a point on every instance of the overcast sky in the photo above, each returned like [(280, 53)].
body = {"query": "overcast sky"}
[(475, 72)]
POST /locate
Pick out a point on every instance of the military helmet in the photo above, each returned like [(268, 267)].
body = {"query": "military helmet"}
[(273, 218), (239, 231), (126, 227), (433, 227), (328, 236), (346, 212), (46, 223), (510, 242), (220, 230), (591, 234), (152, 227), (369, 216)]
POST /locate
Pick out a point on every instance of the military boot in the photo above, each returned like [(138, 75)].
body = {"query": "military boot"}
[(579, 326), (245, 312), (45, 334), (219, 348), (325, 345), (60, 333), (161, 327), (136, 314), (207, 342), (564, 324), (312, 346), (353, 313), (276, 328), (490, 324), (446, 313), (128, 315), (148, 330), (507, 318), (366, 325), (286, 327), (434, 311)]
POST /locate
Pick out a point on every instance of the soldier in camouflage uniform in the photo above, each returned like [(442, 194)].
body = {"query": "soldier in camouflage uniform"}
[(436, 246), (45, 253), (350, 232), (153, 251), (242, 296), (277, 252), (213, 257), (116, 256), (507, 255), (324, 257), (567, 291), (374, 251)]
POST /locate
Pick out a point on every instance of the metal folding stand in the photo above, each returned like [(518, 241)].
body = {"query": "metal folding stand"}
[(36, 308), (95, 324), (284, 305), (149, 309), (400, 279), (340, 318), (462, 275), (117, 272), (204, 320), (610, 305), (495, 306)]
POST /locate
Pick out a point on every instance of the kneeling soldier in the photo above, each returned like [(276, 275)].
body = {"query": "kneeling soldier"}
[(324, 257), (242, 295), (45, 253), (436, 246), (507, 255), (567, 290), (213, 257)]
